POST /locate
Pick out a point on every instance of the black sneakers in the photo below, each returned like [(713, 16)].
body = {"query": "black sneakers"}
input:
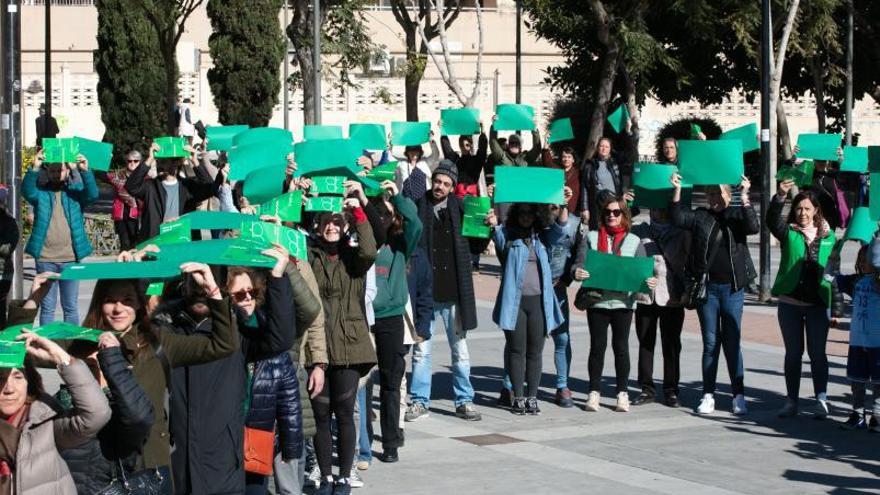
[(532, 406), (519, 406), (856, 421)]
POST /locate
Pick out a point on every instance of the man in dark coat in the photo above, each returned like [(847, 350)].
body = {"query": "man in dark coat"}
[(454, 302)]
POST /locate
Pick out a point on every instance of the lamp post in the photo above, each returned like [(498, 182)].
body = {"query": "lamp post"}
[(518, 51), (316, 57), (285, 99), (766, 146), (10, 123)]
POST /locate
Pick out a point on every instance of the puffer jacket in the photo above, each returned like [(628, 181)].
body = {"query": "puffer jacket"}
[(39, 468), (74, 199), (501, 157), (95, 463), (275, 403), (740, 221)]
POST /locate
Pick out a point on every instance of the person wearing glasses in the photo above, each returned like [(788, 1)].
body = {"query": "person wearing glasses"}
[(720, 254), (609, 308), (126, 209)]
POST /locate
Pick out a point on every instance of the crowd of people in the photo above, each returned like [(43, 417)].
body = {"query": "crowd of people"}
[(187, 391)]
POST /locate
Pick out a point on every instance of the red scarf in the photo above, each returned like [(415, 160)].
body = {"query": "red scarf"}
[(618, 232), (462, 190)]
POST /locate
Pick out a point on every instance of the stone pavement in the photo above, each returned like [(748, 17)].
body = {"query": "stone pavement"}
[(653, 449)]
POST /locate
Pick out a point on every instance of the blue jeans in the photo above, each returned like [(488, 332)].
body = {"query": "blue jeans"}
[(562, 340), (365, 439), (69, 295), (796, 323), (720, 322), (420, 386)]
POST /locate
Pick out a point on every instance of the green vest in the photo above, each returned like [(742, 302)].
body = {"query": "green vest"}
[(793, 253)]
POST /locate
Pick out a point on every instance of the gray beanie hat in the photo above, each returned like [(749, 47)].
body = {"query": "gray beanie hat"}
[(447, 168)]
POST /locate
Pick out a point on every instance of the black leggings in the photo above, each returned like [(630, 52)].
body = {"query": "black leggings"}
[(599, 320), (525, 344), (670, 320), (127, 230), (392, 365), (337, 397)]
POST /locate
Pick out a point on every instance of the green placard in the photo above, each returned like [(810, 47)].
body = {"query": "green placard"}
[(220, 137), (652, 186), (12, 354), (529, 185), (747, 135), (170, 147), (97, 153), (801, 174), (704, 163), (855, 159), (369, 136), (264, 184), (618, 273), (873, 159), (328, 185), (383, 172), (216, 220), (61, 330), (155, 289), (287, 207), (696, 130), (176, 232), (118, 271), (618, 118), (315, 156), (818, 146), (861, 226), (410, 133), (475, 210), (212, 252), (319, 132), (874, 196), (560, 130), (9, 334), (261, 235), (514, 117), (262, 134), (332, 204), (460, 121), (246, 158), (60, 150)]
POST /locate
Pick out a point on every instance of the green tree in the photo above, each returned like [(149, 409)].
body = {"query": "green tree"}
[(247, 48), (131, 85)]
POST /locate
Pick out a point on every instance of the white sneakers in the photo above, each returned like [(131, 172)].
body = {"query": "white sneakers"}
[(821, 409), (739, 405), (622, 402), (592, 402), (707, 404)]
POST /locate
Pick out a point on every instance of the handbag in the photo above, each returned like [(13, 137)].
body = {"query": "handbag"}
[(146, 482), (259, 451), (695, 292)]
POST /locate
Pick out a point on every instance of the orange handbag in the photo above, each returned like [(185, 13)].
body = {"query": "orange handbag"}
[(259, 451)]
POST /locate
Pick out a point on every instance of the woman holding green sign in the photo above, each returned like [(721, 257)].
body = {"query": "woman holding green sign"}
[(721, 268), (526, 307), (608, 308), (804, 295)]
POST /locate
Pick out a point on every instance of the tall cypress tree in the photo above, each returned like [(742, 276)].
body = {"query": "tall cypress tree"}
[(131, 82), (247, 48)]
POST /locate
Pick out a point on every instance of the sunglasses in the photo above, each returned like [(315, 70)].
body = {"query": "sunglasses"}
[(243, 294), (613, 213)]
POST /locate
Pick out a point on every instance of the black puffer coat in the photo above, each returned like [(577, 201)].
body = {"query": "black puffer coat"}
[(94, 464), (275, 405)]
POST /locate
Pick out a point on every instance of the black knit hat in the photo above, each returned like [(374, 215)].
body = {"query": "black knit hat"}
[(448, 169)]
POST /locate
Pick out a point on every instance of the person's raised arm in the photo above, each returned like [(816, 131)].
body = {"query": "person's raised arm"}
[(681, 215), (495, 149), (534, 154), (412, 224), (279, 333), (448, 152), (136, 184), (775, 223)]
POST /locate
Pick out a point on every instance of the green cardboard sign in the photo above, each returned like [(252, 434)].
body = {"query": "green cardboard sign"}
[(9, 334), (12, 354), (61, 330), (874, 196), (212, 252), (818, 146), (410, 133), (170, 147), (262, 134), (652, 187), (319, 132), (801, 174), (618, 118), (220, 137), (696, 130), (529, 185), (97, 153), (261, 235), (861, 226), (460, 121), (328, 185), (383, 172), (60, 150), (155, 289), (618, 273), (314, 156), (287, 207), (370, 136), (704, 163), (121, 271), (264, 184), (560, 130), (216, 220), (475, 211), (176, 232), (514, 117), (246, 158), (332, 204), (855, 159), (747, 135)]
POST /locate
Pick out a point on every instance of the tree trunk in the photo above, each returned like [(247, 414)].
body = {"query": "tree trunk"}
[(633, 108), (603, 97), (777, 66), (818, 91), (415, 70), (783, 135), (172, 90), (876, 94), (307, 69)]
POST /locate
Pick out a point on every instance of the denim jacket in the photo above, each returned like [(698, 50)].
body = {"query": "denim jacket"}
[(513, 262), (561, 252)]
